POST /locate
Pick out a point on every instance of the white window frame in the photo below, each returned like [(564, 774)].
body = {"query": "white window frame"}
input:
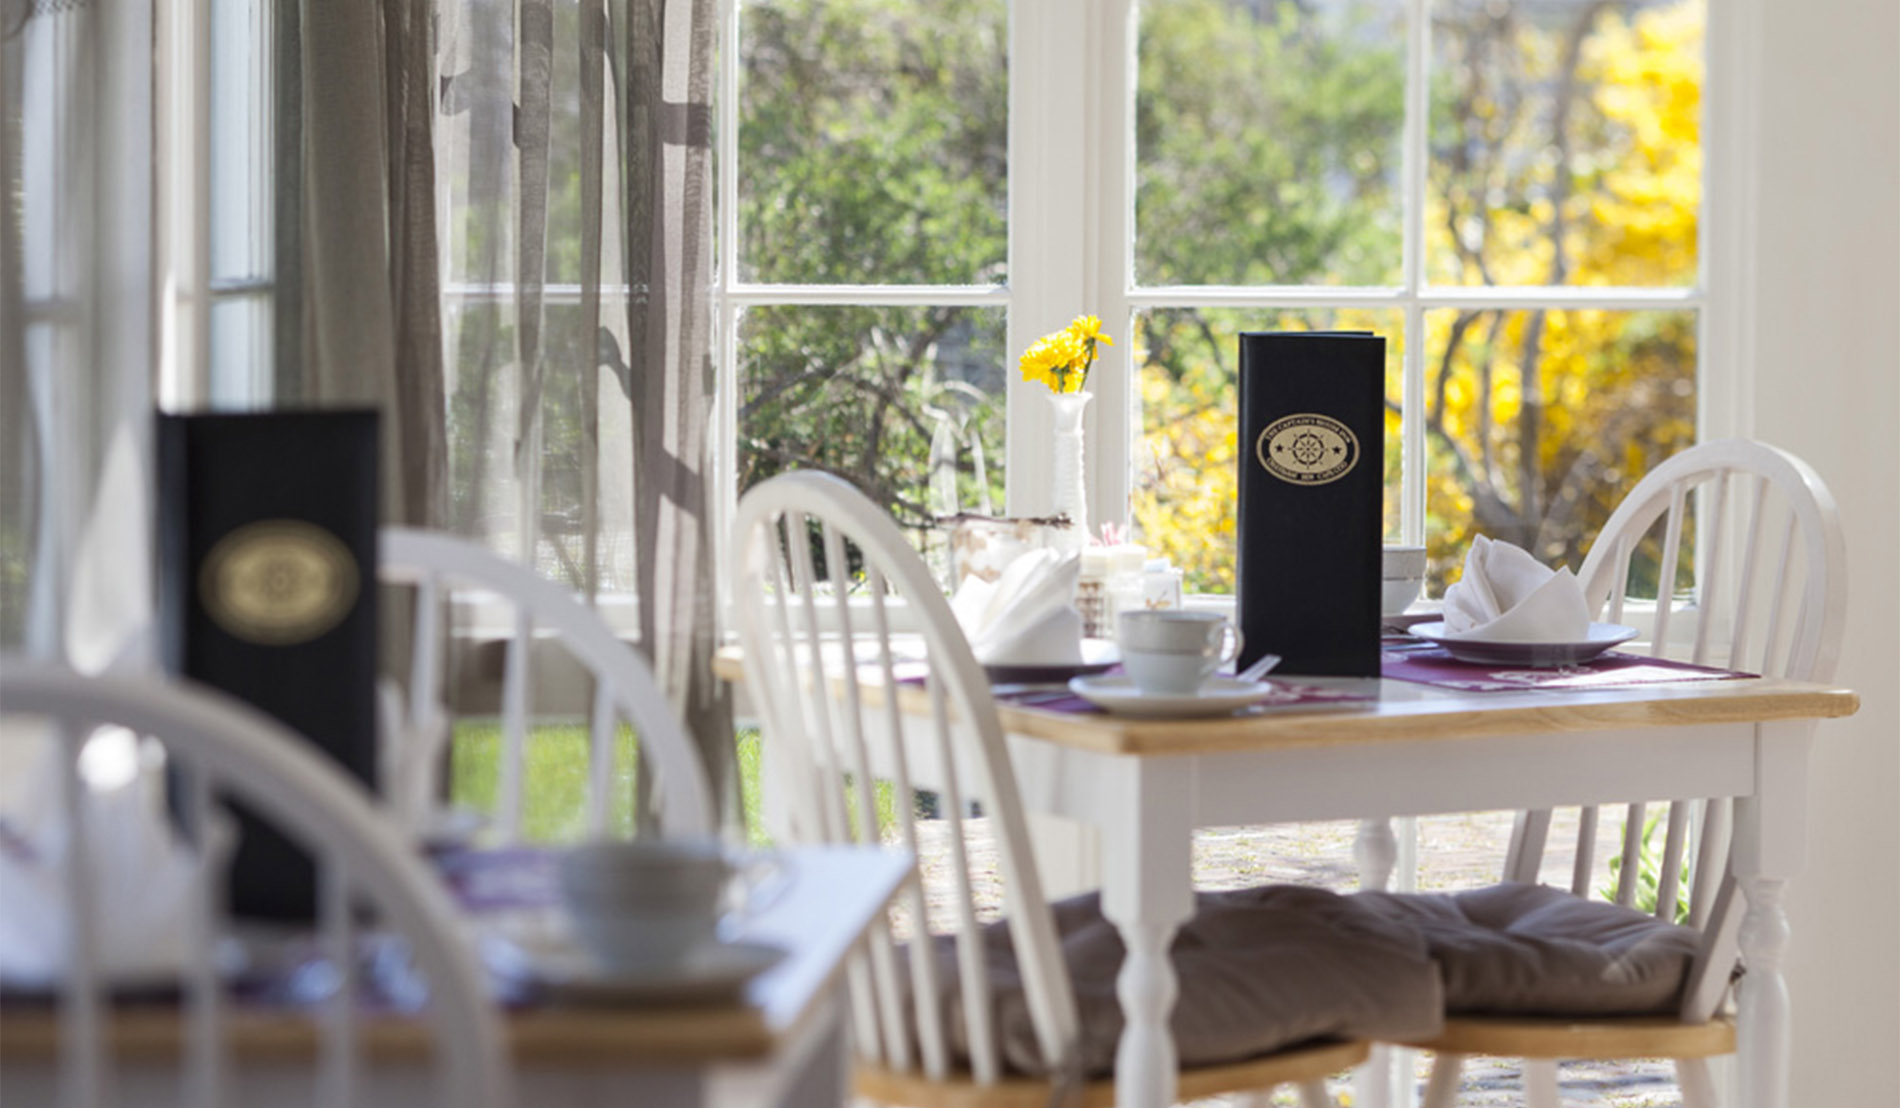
[(1071, 245), (1071, 238)]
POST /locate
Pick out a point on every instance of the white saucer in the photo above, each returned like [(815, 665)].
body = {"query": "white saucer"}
[(1117, 693), (711, 974), (1097, 655), (1601, 637)]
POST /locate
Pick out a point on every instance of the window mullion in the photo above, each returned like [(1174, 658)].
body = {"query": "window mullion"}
[(1108, 261), (1415, 162), (1048, 227)]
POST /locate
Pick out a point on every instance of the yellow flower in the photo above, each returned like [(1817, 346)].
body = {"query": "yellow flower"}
[(1088, 328), (1061, 359)]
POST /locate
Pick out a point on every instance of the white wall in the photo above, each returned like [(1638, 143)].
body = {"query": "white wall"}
[(1828, 388)]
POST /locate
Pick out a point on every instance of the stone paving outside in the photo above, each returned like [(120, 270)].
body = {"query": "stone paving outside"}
[(1456, 851)]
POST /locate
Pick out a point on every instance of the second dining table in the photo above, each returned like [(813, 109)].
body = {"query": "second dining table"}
[(1375, 749)]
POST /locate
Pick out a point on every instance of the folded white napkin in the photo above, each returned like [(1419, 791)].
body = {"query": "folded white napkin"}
[(144, 877), (1506, 595), (109, 616), (1026, 616)]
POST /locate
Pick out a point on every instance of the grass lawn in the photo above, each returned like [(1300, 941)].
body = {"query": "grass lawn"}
[(554, 780)]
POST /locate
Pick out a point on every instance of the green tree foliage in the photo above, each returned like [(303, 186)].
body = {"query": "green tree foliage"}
[(1563, 151), (873, 137)]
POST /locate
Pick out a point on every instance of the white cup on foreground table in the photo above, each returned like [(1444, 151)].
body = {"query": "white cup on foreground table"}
[(645, 903), (1173, 652)]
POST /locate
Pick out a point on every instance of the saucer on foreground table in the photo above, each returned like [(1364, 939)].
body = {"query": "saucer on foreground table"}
[(712, 973), (1117, 694)]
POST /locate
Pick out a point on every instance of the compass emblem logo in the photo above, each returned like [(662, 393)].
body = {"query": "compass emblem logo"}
[(1307, 449)]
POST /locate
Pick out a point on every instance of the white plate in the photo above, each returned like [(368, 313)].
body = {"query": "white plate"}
[(1601, 637), (711, 974), (1097, 655), (1117, 693)]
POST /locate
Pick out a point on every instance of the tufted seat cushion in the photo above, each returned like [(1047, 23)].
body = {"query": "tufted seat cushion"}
[(1515, 949), (1259, 969)]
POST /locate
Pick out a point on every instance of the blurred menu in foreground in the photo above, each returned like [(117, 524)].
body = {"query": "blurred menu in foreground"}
[(1311, 489), (267, 587)]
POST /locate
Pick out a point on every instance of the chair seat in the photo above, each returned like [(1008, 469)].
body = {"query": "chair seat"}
[(1532, 950), (1594, 1040), (1310, 1062), (1259, 970)]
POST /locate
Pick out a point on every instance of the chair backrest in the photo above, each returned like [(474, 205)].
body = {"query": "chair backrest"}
[(1776, 609), (223, 750), (1756, 531), (623, 689), (819, 572)]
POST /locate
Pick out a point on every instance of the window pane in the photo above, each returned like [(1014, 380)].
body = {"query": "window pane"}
[(1186, 468), (240, 139), (873, 394), (1537, 424), (1565, 142), (873, 140), (240, 351), (1268, 143)]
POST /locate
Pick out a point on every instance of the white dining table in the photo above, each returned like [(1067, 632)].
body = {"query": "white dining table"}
[(782, 1043), (1410, 749)]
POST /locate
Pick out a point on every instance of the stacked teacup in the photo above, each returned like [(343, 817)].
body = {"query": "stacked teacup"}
[(1402, 576), (1172, 652), (644, 904)]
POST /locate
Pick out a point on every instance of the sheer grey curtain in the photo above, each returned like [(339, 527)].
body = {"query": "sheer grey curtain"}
[(574, 148), (357, 311), (77, 336)]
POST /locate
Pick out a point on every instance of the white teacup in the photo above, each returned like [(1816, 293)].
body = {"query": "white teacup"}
[(1173, 652), (1402, 570), (644, 902)]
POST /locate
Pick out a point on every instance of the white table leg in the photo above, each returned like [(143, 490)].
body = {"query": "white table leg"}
[(1377, 852), (1147, 892), (1376, 1083), (1770, 831)]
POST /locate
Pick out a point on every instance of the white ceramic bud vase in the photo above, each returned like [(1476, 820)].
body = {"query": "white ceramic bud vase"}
[(1071, 486)]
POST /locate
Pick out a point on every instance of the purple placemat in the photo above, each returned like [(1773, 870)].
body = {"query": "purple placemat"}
[(1285, 694), (1430, 665)]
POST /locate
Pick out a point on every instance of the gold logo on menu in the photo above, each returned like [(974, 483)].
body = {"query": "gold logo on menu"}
[(1307, 449), (279, 582)]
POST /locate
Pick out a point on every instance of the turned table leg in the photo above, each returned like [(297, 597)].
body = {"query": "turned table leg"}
[(1769, 847), (1148, 892)]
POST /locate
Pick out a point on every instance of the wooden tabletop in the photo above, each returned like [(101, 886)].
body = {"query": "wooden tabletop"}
[(830, 899), (1406, 711)]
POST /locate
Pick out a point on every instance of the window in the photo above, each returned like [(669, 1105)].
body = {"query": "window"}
[(1509, 190)]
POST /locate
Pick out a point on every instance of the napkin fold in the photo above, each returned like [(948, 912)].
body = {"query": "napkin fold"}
[(1506, 595), (144, 877), (1024, 617)]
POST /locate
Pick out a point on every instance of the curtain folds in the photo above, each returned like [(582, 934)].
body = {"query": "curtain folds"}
[(366, 284), (576, 162), (670, 273), (77, 332)]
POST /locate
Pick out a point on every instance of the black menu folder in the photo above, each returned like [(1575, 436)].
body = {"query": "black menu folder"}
[(267, 591), (1311, 499)]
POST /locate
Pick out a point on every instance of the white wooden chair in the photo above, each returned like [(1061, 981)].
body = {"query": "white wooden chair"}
[(826, 670), (224, 749), (623, 689), (1769, 597)]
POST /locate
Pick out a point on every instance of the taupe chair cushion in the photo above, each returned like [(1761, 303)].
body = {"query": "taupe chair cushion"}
[(1514, 949), (1259, 969)]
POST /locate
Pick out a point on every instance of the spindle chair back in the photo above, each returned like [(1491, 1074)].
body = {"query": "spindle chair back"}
[(864, 680), (1754, 533), (221, 751), (822, 578), (441, 567)]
